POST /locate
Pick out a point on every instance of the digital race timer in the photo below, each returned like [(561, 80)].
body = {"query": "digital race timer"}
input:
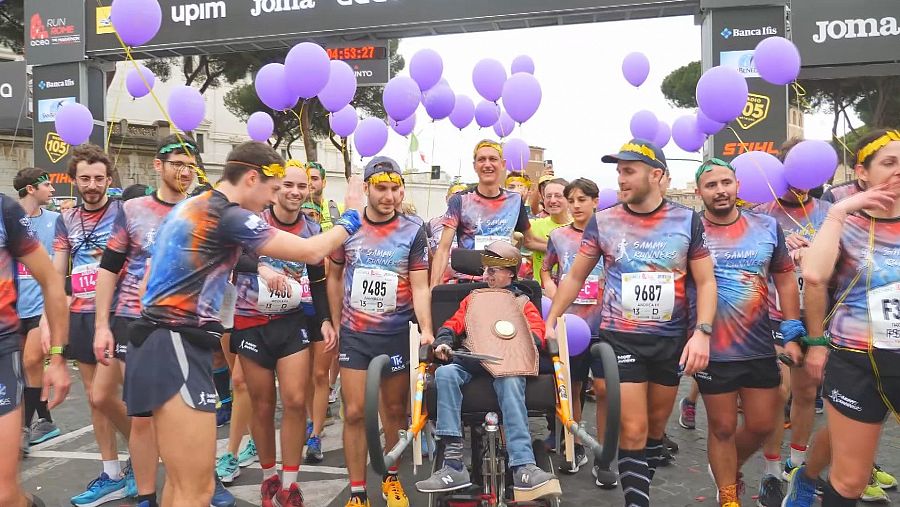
[(358, 53)]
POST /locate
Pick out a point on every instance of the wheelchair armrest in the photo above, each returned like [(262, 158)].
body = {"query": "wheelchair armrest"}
[(426, 353)]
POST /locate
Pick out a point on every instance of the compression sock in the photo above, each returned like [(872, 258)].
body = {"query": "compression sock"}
[(43, 411), (773, 465), (32, 399), (453, 453), (634, 477), (222, 380), (831, 498), (654, 455), (798, 454)]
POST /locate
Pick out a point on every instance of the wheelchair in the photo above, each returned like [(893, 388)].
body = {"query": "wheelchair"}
[(546, 396)]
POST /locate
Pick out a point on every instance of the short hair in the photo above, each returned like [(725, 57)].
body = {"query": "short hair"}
[(91, 154), (174, 144), (587, 187), (865, 141), (252, 153), (135, 191), (554, 181), (25, 177), (787, 146)]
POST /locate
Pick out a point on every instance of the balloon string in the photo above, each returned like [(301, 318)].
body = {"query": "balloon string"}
[(113, 115)]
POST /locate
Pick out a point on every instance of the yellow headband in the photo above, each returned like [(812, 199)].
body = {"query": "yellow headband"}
[(271, 170), (518, 179), (385, 177), (456, 188), (488, 144), (641, 149), (870, 149)]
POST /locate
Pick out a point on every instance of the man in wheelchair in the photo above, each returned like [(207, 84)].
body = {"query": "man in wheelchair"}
[(499, 320)]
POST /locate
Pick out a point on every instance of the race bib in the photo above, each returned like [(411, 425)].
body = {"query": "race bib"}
[(374, 290), (648, 296), (590, 291), (483, 241), (884, 315), (305, 293), (22, 272), (274, 302), (800, 283), (84, 280)]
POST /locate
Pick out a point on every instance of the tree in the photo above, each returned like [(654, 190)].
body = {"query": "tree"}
[(680, 86), (12, 27)]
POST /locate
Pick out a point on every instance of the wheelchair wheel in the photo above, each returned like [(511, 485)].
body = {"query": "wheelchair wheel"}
[(373, 429)]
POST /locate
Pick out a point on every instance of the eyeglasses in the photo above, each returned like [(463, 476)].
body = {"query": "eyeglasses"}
[(87, 180), (492, 271), (179, 165)]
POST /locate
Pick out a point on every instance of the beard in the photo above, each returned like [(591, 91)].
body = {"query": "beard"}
[(93, 196)]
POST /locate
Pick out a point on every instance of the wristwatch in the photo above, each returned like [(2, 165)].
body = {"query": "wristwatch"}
[(705, 329), (56, 349)]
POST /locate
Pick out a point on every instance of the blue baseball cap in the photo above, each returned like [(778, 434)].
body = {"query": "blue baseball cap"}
[(639, 150)]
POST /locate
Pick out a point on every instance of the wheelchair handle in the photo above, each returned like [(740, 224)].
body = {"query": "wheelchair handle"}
[(373, 435), (605, 454), (552, 347), (426, 353)]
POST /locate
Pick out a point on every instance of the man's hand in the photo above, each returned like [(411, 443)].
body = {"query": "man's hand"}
[(354, 197), (816, 357), (274, 280), (443, 352), (795, 352), (795, 241), (329, 336), (56, 378), (426, 338), (695, 357), (104, 345)]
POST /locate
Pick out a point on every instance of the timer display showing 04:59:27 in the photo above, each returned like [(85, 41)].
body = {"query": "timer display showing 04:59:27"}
[(358, 53)]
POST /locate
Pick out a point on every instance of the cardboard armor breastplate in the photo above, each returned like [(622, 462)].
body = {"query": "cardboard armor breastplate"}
[(496, 325)]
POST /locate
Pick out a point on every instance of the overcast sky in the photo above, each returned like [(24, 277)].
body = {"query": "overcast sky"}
[(587, 104)]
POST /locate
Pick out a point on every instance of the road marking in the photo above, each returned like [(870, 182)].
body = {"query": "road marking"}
[(65, 437)]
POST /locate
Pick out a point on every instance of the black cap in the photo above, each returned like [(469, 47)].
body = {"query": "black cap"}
[(381, 165), (639, 150)]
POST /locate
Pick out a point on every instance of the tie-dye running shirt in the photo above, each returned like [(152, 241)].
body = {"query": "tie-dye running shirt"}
[(479, 220), (645, 257), (16, 241), (196, 248), (84, 234), (842, 191), (562, 247), (377, 262), (31, 300), (871, 308), (744, 253)]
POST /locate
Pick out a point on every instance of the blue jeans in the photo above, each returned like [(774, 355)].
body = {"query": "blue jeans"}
[(449, 380)]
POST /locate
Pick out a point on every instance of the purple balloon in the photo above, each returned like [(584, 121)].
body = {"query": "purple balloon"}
[(74, 123), (636, 68), (686, 135), (607, 198), (578, 334), (644, 125), (401, 97), (341, 87), (260, 126), (134, 83), (309, 67), (136, 21), (722, 93), (486, 113), (463, 112), (488, 78), (810, 164), (663, 135), (344, 122), (271, 86), (777, 60), (521, 96), (761, 176), (426, 67), (403, 127), (186, 108), (371, 136), (707, 126), (522, 63), (516, 153), (504, 126), (439, 101), (546, 303)]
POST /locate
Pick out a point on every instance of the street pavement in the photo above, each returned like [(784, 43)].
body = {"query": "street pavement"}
[(61, 468)]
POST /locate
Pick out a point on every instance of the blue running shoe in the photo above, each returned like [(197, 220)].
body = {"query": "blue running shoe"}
[(801, 490), (309, 429), (101, 490), (227, 468), (145, 503), (223, 415), (130, 484), (314, 450), (221, 496)]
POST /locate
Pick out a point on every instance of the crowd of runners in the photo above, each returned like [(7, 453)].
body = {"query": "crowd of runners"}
[(189, 306)]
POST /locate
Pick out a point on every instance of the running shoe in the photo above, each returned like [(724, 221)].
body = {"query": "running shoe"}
[(332, 395), (131, 490), (550, 442), (771, 493), (248, 454), (227, 468), (291, 497), (801, 490), (309, 429), (874, 493), (355, 501), (26, 442), (392, 492), (530, 477), (269, 491), (445, 480), (884, 479), (788, 469), (221, 496), (688, 414), (101, 490), (223, 415), (670, 444), (573, 467), (602, 483), (314, 452), (43, 430)]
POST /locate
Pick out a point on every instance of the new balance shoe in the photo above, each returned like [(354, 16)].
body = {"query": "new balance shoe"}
[(392, 492), (101, 490), (221, 496), (248, 454), (529, 477), (573, 467), (771, 493), (445, 480), (801, 490), (43, 430), (269, 491), (227, 468), (314, 452)]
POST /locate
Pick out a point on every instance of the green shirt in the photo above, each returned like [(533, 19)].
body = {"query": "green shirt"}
[(541, 228), (327, 219)]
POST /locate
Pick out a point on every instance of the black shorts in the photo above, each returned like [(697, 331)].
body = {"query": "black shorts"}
[(358, 349), (729, 376), (120, 333), (81, 338), (164, 365), (12, 381), (852, 388), (643, 357), (28, 324), (266, 344), (580, 366)]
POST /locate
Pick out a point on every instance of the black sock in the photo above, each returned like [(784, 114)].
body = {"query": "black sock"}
[(831, 498), (151, 498), (654, 455), (32, 398), (43, 411), (634, 477), (222, 380)]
